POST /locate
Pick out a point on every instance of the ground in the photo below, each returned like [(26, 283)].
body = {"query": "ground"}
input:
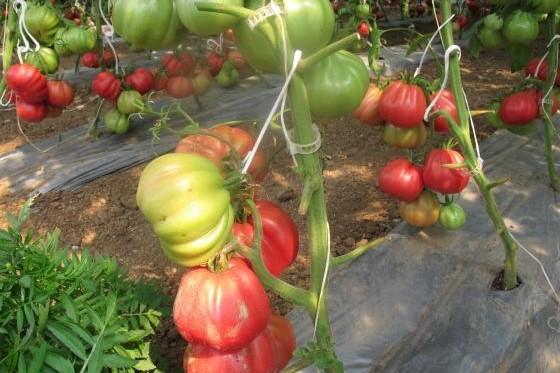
[(104, 217)]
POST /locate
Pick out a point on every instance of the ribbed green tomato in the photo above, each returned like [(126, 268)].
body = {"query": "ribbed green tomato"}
[(130, 102), (452, 216), (60, 46), (147, 24), (491, 39), (183, 197), (493, 21), (336, 85), (42, 22), (405, 138), (116, 122), (521, 28), (545, 6), (205, 23), (45, 59), (74, 40)]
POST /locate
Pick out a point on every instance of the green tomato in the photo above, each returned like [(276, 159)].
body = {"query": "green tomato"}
[(147, 24), (452, 216), (493, 118), (545, 6), (74, 40), (523, 130), (336, 85), (521, 28), (130, 102), (184, 199), (405, 138), (493, 21), (205, 23), (116, 121), (362, 10), (60, 46), (42, 22), (45, 59), (491, 39), (228, 76)]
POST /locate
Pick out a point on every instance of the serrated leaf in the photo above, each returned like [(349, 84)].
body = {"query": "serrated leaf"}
[(118, 361), (95, 319), (59, 363), (43, 316), (69, 307), (95, 363), (145, 366), (111, 306), (81, 332), (67, 338), (22, 366), (417, 43), (39, 355)]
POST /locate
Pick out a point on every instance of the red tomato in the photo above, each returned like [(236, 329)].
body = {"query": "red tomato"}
[(363, 29), (237, 59), (160, 81), (90, 59), (179, 87), (257, 357), (284, 341), (141, 80), (61, 94), (531, 68), (219, 152), (403, 105), (27, 82), (172, 65), (441, 179), (463, 21), (31, 112), (368, 111), (280, 240), (108, 57), (519, 108), (215, 62), (401, 179), (107, 85), (446, 102), (223, 310), (188, 62)]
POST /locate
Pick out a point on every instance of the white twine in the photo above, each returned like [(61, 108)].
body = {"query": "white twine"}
[(20, 6), (7, 102), (324, 280), (108, 31), (438, 31), (216, 46), (545, 98)]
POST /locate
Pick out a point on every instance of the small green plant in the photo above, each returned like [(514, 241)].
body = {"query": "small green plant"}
[(64, 311)]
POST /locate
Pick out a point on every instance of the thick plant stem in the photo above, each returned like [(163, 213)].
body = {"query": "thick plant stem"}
[(463, 135), (10, 43), (548, 125)]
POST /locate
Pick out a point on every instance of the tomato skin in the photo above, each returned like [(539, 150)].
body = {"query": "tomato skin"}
[(173, 65), (42, 22), (46, 60), (545, 6), (179, 87), (401, 179), (141, 80), (160, 81), (128, 102), (493, 21), (403, 105), (405, 138), (421, 213), (280, 241), (521, 28), (27, 82), (77, 40), (446, 102), (106, 85), (202, 82), (452, 216), (188, 62), (215, 63), (116, 122), (90, 59), (491, 39), (60, 93), (223, 310), (444, 180), (219, 152), (257, 357), (205, 23), (368, 111), (283, 338), (519, 108), (336, 85), (149, 24), (31, 112), (184, 199)]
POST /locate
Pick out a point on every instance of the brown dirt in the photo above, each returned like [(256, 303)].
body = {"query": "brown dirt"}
[(103, 214)]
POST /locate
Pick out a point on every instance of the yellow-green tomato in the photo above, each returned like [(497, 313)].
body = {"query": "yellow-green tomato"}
[(452, 216), (116, 122), (184, 199), (130, 102), (405, 138), (423, 212)]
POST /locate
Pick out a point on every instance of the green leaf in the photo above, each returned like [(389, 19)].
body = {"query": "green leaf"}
[(21, 367), (95, 363), (145, 366), (19, 320), (118, 361), (95, 319), (418, 43), (59, 363), (39, 355), (25, 281), (69, 307), (111, 306), (43, 316), (67, 338), (81, 332)]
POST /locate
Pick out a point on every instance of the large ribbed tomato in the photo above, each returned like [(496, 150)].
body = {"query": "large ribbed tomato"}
[(224, 310), (183, 197), (106, 85), (402, 104), (27, 82), (45, 59), (368, 111), (442, 179), (60, 94), (257, 357), (521, 27), (179, 87), (282, 335), (219, 151), (401, 179), (42, 22), (336, 85), (446, 102), (519, 108), (30, 112), (423, 212), (280, 237), (141, 80)]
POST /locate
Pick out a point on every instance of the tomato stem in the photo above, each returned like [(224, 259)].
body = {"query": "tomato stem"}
[(318, 56), (356, 253), (463, 135), (11, 40)]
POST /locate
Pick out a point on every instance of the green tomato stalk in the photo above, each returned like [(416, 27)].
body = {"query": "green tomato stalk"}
[(405, 9), (461, 131), (10, 42)]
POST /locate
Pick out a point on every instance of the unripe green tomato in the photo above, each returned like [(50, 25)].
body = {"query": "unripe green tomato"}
[(45, 59), (42, 22), (130, 102), (452, 216), (521, 28), (116, 121), (362, 10), (493, 21), (491, 39), (405, 138)]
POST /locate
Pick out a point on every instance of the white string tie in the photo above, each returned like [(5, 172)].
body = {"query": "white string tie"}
[(438, 31), (324, 280), (20, 6), (108, 32)]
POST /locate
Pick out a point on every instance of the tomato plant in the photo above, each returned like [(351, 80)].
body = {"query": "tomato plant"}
[(116, 122), (205, 23), (27, 82), (45, 59), (42, 22), (521, 28), (452, 216), (130, 102)]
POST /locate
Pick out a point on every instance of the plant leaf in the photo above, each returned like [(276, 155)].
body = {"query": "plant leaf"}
[(39, 355), (67, 338), (59, 363), (118, 361)]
